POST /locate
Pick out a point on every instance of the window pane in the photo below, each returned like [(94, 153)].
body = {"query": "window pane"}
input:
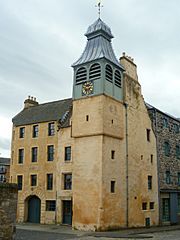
[(149, 182), (49, 181), (34, 154), (168, 177), (67, 153), (19, 182), (35, 131), (22, 132), (68, 181), (51, 129), (50, 156), (33, 180), (21, 156), (50, 205)]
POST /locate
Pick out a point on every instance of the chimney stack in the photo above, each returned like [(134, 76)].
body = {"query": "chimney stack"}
[(30, 102), (130, 67)]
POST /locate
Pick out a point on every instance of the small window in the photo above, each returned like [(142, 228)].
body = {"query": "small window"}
[(50, 205), (35, 131), (113, 186), (109, 73), (151, 158), (117, 78), (51, 129), (178, 179), (168, 177), (34, 154), (2, 169), (68, 181), (81, 75), (167, 149), (33, 180), (49, 181), (151, 205), (19, 182), (67, 153), (177, 151), (2, 178), (22, 132), (148, 131), (95, 72), (21, 156), (50, 153), (176, 128), (165, 123), (149, 182), (87, 118), (112, 154), (144, 206)]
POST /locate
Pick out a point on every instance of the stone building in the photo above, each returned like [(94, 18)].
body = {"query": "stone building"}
[(4, 169), (167, 131), (103, 173)]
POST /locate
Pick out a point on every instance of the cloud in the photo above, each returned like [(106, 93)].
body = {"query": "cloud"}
[(39, 42)]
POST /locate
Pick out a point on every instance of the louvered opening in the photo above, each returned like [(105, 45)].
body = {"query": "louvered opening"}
[(117, 78), (81, 75), (95, 71), (109, 73)]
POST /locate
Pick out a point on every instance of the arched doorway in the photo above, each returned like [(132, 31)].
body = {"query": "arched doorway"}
[(34, 209)]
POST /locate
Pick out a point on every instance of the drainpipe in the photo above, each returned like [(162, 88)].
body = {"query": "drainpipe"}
[(127, 167), (158, 165)]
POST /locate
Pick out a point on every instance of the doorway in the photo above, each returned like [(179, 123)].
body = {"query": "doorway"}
[(34, 209), (67, 212)]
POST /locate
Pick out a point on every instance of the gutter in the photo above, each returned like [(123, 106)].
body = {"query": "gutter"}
[(127, 166)]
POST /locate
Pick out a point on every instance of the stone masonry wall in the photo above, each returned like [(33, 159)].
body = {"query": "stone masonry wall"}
[(8, 207), (167, 129)]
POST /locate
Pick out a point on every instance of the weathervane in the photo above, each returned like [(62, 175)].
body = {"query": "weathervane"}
[(99, 8)]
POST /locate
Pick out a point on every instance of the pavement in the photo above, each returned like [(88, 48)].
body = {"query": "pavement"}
[(66, 232)]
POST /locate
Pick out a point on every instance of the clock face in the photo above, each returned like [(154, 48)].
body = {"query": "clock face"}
[(87, 88)]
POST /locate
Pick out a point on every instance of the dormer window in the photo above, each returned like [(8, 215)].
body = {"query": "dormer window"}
[(95, 72), (81, 75), (109, 73), (117, 78)]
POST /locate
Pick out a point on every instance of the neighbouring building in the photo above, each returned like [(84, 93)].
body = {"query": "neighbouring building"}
[(89, 161), (167, 131), (4, 169)]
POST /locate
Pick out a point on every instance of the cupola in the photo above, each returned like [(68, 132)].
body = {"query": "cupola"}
[(98, 71)]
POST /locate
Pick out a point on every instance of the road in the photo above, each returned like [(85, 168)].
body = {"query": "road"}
[(43, 235)]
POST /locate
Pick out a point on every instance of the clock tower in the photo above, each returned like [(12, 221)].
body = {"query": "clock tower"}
[(113, 179), (98, 71)]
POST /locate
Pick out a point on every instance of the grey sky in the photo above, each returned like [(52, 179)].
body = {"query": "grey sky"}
[(40, 39)]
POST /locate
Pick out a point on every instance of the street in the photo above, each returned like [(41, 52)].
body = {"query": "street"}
[(44, 232)]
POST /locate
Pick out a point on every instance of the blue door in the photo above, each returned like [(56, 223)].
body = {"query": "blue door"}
[(34, 209), (67, 212)]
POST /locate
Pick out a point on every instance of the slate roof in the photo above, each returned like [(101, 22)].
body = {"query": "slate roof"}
[(51, 111), (99, 45), (150, 107), (4, 161)]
